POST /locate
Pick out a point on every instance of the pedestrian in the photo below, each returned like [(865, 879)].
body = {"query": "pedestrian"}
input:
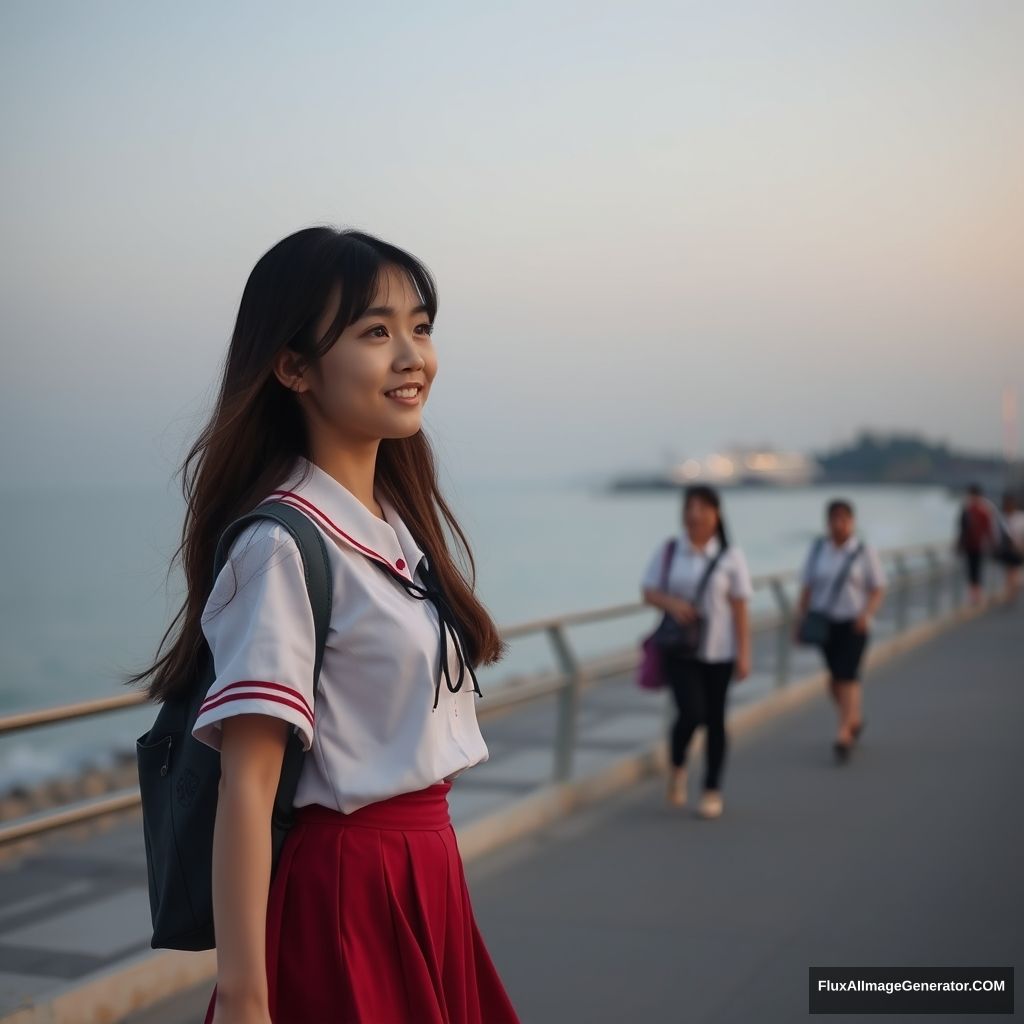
[(1010, 550), (367, 918), (843, 585), (977, 536), (702, 582)]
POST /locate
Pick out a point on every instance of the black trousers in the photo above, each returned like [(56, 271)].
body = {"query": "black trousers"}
[(699, 689), (975, 564)]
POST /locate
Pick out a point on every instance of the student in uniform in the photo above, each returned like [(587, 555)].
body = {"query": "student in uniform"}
[(700, 679), (841, 557), (368, 918), (1010, 550)]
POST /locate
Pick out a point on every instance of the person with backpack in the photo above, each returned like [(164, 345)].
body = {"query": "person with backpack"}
[(336, 638), (702, 584), (1009, 552), (843, 588), (977, 536)]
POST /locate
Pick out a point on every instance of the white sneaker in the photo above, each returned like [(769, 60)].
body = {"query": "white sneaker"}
[(677, 787), (710, 805)]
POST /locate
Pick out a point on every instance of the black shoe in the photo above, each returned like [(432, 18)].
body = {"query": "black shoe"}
[(842, 751)]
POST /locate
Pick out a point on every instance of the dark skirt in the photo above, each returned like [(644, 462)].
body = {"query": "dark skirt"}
[(844, 650), (369, 921)]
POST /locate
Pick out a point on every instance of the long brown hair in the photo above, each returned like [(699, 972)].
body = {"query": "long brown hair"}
[(257, 430)]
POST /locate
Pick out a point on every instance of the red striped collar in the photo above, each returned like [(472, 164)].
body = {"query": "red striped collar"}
[(339, 513)]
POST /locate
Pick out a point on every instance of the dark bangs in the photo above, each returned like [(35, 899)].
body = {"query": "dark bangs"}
[(359, 262)]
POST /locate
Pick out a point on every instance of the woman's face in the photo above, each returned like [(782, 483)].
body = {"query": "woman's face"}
[(700, 520), (840, 526), (352, 387)]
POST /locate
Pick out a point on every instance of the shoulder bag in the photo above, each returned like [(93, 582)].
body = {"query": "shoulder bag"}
[(816, 626)]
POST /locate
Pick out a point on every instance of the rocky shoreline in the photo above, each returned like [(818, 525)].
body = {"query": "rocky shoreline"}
[(20, 801)]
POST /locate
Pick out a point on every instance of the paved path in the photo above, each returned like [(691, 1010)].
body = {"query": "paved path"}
[(79, 905), (909, 855)]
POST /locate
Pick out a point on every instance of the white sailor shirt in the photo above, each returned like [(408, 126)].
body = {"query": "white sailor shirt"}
[(379, 723), (821, 568), (729, 581)]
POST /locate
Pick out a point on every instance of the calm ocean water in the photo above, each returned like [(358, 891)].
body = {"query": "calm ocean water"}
[(85, 594)]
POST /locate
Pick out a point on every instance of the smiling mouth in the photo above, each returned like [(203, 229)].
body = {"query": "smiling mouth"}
[(406, 393)]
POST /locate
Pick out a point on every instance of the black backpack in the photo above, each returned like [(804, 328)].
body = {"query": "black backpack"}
[(179, 776)]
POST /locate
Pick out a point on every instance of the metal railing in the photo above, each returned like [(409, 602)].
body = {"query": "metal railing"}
[(921, 579)]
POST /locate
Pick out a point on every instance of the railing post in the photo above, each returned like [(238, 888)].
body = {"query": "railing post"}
[(902, 593), (934, 582), (568, 702), (783, 636), (957, 581)]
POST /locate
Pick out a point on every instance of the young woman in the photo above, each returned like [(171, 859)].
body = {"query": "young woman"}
[(1010, 551), (368, 918), (843, 580), (706, 579)]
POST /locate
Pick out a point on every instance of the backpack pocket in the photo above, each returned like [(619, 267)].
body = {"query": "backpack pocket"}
[(170, 901)]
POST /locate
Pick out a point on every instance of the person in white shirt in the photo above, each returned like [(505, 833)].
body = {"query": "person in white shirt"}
[(699, 578), (844, 581), (1010, 548), (367, 916), (1014, 519)]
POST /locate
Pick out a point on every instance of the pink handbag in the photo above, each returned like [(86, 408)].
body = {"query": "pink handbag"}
[(649, 673)]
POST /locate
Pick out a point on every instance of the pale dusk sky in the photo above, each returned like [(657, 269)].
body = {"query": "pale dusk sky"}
[(657, 227)]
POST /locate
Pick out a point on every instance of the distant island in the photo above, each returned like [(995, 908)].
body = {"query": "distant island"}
[(872, 458), (909, 459)]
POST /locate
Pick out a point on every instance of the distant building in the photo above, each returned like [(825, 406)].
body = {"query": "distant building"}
[(747, 466), (737, 467)]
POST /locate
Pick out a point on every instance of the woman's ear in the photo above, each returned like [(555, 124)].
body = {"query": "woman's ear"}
[(289, 368)]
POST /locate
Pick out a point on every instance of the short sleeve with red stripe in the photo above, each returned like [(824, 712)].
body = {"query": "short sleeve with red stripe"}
[(259, 625)]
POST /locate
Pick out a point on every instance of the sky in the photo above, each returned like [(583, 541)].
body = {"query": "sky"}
[(657, 228)]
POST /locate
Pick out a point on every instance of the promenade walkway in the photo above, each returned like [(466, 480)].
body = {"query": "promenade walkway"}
[(628, 909), (77, 907), (911, 854)]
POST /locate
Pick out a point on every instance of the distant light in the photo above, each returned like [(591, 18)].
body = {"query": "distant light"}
[(720, 465), (763, 461)]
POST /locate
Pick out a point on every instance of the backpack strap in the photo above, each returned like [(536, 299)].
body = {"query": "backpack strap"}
[(709, 569), (666, 561), (315, 565), (844, 571), (812, 562), (819, 544), (317, 571)]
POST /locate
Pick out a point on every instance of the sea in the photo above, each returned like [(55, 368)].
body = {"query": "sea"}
[(87, 590)]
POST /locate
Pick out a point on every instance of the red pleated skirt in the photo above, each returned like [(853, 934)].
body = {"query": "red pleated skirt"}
[(369, 921)]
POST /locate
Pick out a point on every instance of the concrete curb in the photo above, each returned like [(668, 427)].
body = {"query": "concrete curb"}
[(125, 988), (128, 987)]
